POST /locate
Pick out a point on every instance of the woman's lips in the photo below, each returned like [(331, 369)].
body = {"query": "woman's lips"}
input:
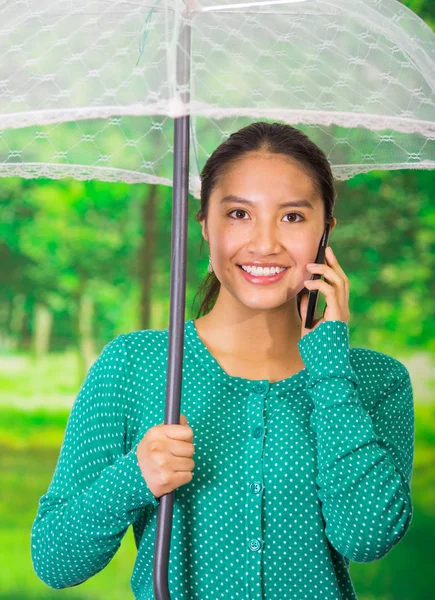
[(263, 279)]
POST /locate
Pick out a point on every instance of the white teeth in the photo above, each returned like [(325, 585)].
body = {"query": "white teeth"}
[(259, 271)]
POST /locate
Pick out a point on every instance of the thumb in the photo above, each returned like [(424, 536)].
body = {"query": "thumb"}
[(303, 306), (183, 419)]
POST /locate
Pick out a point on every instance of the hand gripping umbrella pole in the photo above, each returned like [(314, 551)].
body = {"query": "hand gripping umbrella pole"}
[(177, 306)]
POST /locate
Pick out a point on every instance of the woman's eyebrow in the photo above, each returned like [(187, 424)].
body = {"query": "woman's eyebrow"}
[(233, 198)]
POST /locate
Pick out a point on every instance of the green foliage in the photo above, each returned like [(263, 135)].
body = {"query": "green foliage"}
[(385, 242)]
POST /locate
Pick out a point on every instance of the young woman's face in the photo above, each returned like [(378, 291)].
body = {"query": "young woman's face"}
[(240, 233)]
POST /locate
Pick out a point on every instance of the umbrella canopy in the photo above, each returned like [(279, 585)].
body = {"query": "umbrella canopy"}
[(88, 87)]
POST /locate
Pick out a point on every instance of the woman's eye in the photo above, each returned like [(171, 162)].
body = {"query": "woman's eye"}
[(239, 210), (298, 215)]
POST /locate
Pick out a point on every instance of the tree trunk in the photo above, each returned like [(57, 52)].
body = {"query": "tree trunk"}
[(16, 321), (43, 321), (14, 311)]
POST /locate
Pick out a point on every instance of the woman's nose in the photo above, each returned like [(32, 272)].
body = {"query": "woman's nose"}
[(265, 236)]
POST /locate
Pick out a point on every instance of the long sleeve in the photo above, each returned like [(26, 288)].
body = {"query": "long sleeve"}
[(364, 457), (97, 489)]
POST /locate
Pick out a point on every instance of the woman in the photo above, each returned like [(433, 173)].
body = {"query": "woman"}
[(303, 446)]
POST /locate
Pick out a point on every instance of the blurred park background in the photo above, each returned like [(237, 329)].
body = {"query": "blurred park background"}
[(81, 262)]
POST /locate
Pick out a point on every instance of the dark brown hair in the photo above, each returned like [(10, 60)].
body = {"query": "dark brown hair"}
[(275, 138)]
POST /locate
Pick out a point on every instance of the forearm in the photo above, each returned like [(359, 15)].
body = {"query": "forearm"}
[(75, 538), (365, 501), (363, 472)]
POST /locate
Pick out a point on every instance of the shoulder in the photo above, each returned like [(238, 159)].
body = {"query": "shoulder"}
[(377, 372), (374, 360), (142, 337), (111, 359), (117, 353), (145, 348)]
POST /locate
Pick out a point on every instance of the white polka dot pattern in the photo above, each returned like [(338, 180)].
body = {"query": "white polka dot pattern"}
[(292, 480)]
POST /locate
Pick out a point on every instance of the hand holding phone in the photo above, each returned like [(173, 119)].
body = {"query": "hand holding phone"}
[(313, 294)]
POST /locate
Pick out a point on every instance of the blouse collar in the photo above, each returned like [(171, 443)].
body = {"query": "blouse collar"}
[(202, 354)]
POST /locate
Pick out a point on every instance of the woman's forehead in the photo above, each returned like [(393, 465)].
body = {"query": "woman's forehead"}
[(257, 177)]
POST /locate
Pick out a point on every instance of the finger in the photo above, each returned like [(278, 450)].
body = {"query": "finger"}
[(317, 284), (303, 306), (333, 295), (180, 448), (179, 432), (304, 309), (330, 275), (332, 260)]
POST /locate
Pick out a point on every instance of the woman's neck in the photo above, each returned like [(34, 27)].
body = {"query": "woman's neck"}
[(267, 336)]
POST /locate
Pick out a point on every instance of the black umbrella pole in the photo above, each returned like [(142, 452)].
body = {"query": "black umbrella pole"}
[(177, 306)]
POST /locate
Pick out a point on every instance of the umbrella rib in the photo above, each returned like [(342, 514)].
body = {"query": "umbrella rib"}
[(247, 4), (276, 12)]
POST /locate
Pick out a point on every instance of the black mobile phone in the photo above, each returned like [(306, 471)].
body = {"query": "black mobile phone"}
[(313, 294)]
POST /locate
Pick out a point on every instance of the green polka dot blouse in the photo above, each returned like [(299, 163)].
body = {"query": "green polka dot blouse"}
[(292, 479)]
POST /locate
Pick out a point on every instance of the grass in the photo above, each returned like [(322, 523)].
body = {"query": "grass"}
[(52, 381)]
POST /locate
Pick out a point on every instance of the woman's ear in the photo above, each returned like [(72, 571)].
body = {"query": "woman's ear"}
[(204, 230)]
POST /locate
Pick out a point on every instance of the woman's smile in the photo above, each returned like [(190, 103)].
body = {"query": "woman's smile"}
[(262, 279)]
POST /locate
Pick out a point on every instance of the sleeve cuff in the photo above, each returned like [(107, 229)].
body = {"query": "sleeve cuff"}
[(126, 487), (326, 352)]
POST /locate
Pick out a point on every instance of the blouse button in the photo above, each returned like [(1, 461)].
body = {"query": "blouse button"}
[(256, 487), (259, 388), (257, 432), (254, 545)]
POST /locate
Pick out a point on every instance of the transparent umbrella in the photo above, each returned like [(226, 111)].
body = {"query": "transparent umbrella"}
[(143, 92)]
